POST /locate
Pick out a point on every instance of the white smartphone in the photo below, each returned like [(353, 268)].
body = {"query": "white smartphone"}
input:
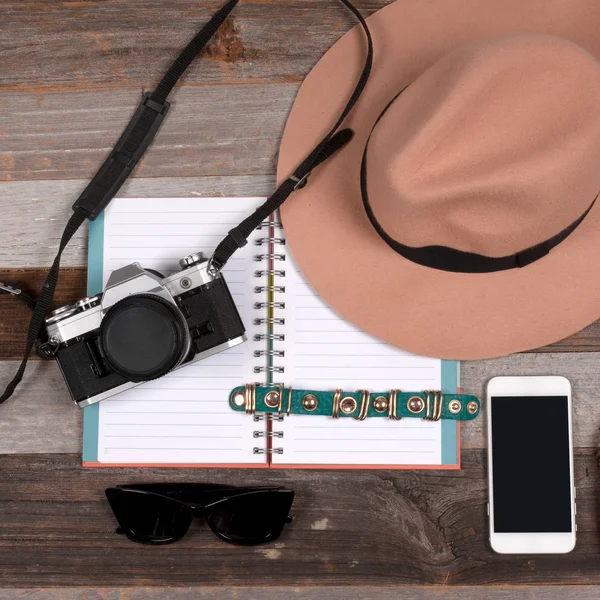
[(530, 465)]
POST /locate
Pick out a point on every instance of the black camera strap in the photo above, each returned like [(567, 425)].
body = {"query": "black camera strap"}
[(131, 146), (331, 143)]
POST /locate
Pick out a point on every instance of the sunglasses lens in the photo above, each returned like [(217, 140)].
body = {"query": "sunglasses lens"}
[(252, 518), (149, 518)]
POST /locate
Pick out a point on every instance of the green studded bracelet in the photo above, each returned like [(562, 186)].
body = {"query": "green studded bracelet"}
[(394, 404)]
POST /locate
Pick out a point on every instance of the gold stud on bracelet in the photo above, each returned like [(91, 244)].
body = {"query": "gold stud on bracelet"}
[(454, 406), (348, 405), (239, 399), (380, 404), (310, 402), (472, 407), (272, 399), (415, 405)]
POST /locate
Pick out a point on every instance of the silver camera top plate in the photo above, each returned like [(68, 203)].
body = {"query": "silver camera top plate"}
[(69, 322)]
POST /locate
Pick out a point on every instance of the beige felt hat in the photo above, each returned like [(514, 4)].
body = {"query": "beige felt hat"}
[(460, 222)]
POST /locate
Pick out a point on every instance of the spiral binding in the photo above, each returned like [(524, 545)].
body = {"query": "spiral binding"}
[(274, 272), (270, 225), (271, 245), (276, 337), (275, 434), (261, 257), (268, 417), (261, 289), (278, 353), (270, 240), (260, 305), (269, 321)]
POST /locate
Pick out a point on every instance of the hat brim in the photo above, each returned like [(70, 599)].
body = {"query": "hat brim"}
[(423, 310)]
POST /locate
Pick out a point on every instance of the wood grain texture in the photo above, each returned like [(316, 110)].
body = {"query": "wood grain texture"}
[(582, 370), (368, 528), (49, 45), (213, 131), (34, 213), (586, 340), (347, 592), (40, 417), (15, 316)]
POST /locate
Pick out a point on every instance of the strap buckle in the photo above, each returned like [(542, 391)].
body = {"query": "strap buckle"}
[(250, 398), (364, 405), (300, 181), (10, 290), (47, 350), (435, 397), (393, 405), (214, 267)]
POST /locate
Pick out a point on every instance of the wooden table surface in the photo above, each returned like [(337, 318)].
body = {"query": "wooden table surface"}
[(71, 73)]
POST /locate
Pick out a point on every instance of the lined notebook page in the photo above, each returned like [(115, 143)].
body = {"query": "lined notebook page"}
[(324, 352), (184, 417)]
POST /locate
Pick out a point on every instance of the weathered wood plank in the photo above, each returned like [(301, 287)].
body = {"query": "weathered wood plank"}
[(40, 417), (15, 316), (34, 213), (219, 130), (586, 340), (582, 370), (371, 528), (557, 592), (91, 44)]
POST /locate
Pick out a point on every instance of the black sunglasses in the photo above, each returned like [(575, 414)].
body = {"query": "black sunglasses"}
[(161, 513)]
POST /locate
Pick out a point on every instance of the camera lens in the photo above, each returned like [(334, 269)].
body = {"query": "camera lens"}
[(144, 337)]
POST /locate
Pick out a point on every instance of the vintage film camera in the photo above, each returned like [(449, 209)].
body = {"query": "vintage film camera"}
[(142, 327)]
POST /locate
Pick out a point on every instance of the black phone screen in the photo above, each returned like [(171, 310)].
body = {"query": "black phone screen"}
[(530, 463)]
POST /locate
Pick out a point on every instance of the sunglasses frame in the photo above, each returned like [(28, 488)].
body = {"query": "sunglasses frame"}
[(198, 499)]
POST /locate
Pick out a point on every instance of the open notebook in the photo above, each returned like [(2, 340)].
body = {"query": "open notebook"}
[(184, 418)]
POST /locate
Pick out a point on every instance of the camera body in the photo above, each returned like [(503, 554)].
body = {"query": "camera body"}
[(141, 327)]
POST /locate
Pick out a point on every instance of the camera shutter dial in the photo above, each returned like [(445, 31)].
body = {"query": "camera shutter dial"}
[(191, 260), (144, 337)]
